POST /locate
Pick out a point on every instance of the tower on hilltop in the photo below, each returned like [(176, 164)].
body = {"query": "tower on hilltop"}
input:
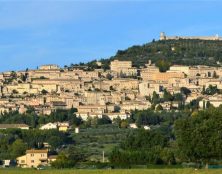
[(162, 36)]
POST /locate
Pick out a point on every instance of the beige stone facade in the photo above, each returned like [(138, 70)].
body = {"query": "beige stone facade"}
[(101, 92), (34, 158)]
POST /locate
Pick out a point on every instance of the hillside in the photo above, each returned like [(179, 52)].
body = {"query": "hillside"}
[(185, 52)]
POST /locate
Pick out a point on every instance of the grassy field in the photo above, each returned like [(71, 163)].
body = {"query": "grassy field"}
[(126, 171)]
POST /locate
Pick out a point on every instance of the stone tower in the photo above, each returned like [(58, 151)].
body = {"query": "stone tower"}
[(162, 36)]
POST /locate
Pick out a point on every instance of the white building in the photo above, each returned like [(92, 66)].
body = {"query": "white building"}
[(49, 126)]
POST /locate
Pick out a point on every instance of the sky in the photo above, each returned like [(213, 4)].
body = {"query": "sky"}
[(37, 32)]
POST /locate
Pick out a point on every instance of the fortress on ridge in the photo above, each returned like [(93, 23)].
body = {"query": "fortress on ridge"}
[(164, 37)]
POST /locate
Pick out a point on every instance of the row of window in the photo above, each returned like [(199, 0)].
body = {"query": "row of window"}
[(32, 154)]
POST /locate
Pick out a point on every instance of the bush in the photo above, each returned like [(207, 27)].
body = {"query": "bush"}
[(63, 161)]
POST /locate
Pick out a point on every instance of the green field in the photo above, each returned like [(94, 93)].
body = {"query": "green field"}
[(126, 171)]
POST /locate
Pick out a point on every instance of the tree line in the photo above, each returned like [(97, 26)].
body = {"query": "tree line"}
[(14, 142), (195, 137)]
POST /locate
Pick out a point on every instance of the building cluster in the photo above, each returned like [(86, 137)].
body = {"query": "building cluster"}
[(96, 93), (61, 126), (163, 36)]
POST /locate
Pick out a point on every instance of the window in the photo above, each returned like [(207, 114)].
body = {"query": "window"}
[(32, 161), (32, 154), (42, 155), (22, 161)]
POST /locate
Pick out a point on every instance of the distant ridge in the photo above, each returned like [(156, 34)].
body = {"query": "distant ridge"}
[(163, 36), (178, 51)]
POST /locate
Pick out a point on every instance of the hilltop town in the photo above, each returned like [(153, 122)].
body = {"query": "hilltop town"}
[(114, 92), (64, 117), (123, 87), (163, 36)]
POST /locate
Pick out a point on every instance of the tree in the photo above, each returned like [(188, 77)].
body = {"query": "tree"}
[(74, 120), (76, 154), (117, 121), (194, 104), (139, 121), (14, 91), (163, 65), (199, 137), (104, 120), (124, 124), (140, 147), (185, 91), (13, 74), (211, 90), (167, 96), (24, 77), (34, 120), (62, 161), (55, 142), (208, 104), (44, 92), (94, 122), (159, 108), (168, 156), (17, 148), (180, 99), (155, 98), (42, 77)]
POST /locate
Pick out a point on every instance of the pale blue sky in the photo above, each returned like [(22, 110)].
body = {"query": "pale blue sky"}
[(39, 32)]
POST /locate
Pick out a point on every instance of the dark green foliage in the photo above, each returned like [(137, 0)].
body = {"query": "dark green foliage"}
[(211, 90), (14, 91), (167, 96), (17, 148), (159, 108), (141, 147), (193, 105), (168, 52), (104, 120), (146, 117), (69, 158), (155, 98), (63, 161), (92, 65), (76, 154), (16, 118), (14, 142), (150, 117), (42, 77), (144, 140), (155, 146), (185, 91), (95, 121), (199, 137), (163, 65), (31, 119), (44, 92), (185, 52)]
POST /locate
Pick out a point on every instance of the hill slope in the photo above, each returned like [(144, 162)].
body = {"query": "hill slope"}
[(185, 52)]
